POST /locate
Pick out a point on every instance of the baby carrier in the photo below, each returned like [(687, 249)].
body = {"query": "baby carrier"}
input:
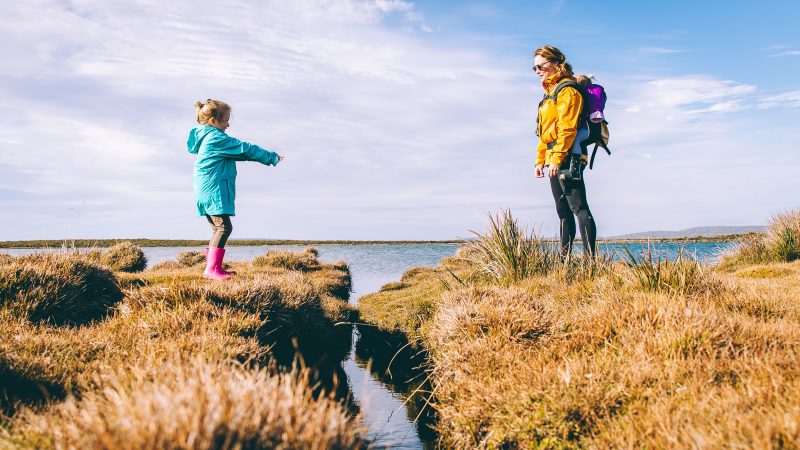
[(594, 102)]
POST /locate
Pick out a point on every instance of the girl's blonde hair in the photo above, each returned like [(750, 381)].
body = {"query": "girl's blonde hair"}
[(211, 110), (555, 57)]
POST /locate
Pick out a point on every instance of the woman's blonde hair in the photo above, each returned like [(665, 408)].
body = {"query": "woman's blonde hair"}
[(555, 57), (211, 110)]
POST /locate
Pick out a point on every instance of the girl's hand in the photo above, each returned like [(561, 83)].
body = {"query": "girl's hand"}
[(539, 171), (552, 171), (280, 158)]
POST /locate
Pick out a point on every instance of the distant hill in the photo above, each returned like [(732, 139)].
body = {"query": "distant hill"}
[(693, 232)]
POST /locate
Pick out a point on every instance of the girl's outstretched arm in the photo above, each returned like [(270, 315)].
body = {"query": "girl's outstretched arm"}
[(232, 148)]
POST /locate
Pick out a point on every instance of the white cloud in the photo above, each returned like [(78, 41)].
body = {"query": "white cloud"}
[(366, 114), (387, 132), (555, 6), (790, 99), (787, 53), (658, 50)]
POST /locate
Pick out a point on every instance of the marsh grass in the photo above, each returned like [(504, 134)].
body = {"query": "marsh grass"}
[(650, 351), (124, 257), (262, 317), (60, 289), (783, 236), (609, 366), (302, 261), (191, 258), (654, 271), (780, 243), (508, 252), (200, 403)]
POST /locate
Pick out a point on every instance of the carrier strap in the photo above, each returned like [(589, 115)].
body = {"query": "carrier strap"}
[(583, 117), (594, 152)]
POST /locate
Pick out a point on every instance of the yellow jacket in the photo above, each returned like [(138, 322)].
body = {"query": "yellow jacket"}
[(558, 121)]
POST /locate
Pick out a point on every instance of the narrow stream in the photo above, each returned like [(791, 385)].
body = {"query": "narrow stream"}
[(389, 418)]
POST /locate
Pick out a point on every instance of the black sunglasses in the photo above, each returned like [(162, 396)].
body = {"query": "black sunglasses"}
[(537, 67)]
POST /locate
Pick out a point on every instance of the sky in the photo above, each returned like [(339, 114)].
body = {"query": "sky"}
[(397, 119)]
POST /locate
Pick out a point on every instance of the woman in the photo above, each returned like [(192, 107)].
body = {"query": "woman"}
[(561, 127)]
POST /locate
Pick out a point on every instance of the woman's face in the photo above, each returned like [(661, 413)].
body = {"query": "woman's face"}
[(543, 67)]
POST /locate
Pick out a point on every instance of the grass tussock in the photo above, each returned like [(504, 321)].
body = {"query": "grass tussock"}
[(124, 257), (59, 289), (262, 316), (684, 275), (199, 404), (780, 243), (302, 261), (508, 253), (191, 258)]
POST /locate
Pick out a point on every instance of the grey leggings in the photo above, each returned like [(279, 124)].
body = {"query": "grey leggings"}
[(221, 229)]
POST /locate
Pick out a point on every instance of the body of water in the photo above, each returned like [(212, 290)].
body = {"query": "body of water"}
[(372, 266)]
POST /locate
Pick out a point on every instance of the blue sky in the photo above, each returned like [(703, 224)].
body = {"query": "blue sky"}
[(398, 119)]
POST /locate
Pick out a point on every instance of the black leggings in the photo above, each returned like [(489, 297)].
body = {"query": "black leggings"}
[(571, 204)]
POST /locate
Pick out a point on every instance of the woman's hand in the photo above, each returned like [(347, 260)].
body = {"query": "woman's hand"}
[(280, 158), (552, 171), (539, 171)]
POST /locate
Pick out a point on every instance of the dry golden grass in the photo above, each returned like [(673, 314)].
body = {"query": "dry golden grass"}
[(304, 261), (617, 368), (601, 360), (191, 258), (194, 403), (780, 243), (262, 317), (406, 305), (124, 257), (61, 289)]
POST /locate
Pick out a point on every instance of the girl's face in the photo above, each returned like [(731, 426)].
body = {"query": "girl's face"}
[(222, 124), (543, 67)]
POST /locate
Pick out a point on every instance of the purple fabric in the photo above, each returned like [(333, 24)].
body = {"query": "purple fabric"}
[(596, 98)]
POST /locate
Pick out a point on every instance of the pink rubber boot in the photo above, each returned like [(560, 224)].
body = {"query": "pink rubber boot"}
[(226, 272), (214, 265)]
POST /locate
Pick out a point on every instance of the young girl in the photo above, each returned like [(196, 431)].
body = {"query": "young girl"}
[(215, 176)]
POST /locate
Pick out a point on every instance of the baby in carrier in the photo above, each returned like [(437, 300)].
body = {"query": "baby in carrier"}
[(593, 130), (595, 104)]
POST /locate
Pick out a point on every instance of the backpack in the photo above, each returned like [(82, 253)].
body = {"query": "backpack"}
[(594, 102)]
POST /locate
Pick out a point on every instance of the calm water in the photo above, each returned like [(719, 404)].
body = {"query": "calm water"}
[(375, 265)]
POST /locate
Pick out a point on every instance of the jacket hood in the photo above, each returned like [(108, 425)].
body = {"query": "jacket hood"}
[(196, 136)]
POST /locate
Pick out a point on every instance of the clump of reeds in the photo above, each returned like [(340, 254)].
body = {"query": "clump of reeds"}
[(191, 258), (60, 289), (203, 403), (508, 253), (783, 236), (780, 243), (653, 271), (124, 257), (303, 261)]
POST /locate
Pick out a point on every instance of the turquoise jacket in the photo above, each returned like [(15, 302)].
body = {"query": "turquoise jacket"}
[(215, 167)]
